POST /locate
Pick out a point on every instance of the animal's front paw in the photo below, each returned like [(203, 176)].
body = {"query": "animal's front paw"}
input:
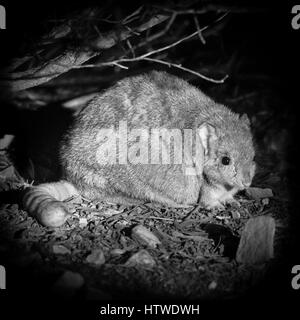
[(215, 206)]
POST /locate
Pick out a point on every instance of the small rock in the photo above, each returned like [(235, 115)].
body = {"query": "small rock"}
[(257, 242), (96, 257), (145, 236), (213, 285), (60, 249), (265, 201), (259, 193), (141, 258), (68, 284), (222, 218), (83, 222), (117, 252), (121, 224)]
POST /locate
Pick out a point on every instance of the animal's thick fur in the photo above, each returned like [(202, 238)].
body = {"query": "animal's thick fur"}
[(157, 100)]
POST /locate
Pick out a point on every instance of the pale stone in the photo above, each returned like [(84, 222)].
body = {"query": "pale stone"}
[(259, 193), (145, 236), (142, 258), (60, 249), (257, 241), (96, 257)]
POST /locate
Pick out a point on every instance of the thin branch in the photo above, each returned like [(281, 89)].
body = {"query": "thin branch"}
[(178, 66), (146, 56), (71, 59), (132, 15), (182, 39), (199, 30), (161, 33), (130, 48), (216, 8), (169, 64), (128, 19)]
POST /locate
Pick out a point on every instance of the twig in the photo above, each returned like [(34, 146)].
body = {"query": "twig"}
[(132, 15), (132, 31), (161, 33), (174, 43), (71, 59), (145, 56), (149, 206), (159, 218), (178, 66), (130, 48), (196, 208), (216, 8), (199, 31)]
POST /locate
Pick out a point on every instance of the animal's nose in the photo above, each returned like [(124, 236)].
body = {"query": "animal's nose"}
[(247, 178), (246, 184)]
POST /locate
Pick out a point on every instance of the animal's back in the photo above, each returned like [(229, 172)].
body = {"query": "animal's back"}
[(155, 100), (151, 100)]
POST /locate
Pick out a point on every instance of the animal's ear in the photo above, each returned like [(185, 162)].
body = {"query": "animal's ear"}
[(244, 118), (207, 134)]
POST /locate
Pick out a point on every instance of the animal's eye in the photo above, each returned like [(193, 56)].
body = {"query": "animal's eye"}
[(225, 161)]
